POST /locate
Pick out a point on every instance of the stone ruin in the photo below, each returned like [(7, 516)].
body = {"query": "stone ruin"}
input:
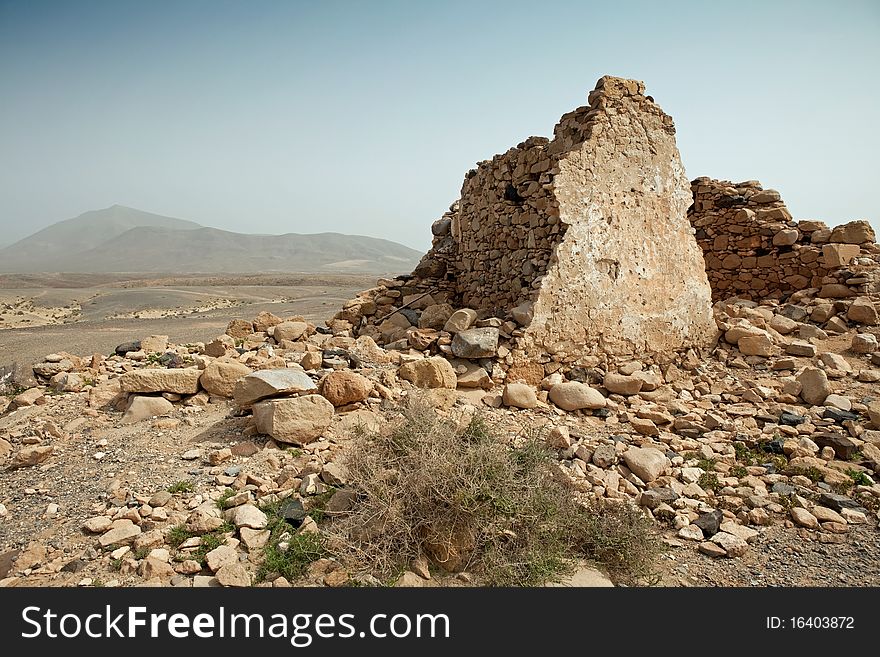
[(592, 249), (754, 250), (573, 251)]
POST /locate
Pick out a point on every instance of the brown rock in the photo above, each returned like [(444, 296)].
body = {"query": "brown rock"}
[(862, 310), (854, 232), (264, 320), (344, 387), (239, 328), (220, 376), (839, 255), (435, 316), (28, 457), (142, 408), (183, 381), (814, 385), (621, 384), (298, 420), (434, 372), (574, 395), (460, 320), (271, 383), (520, 395), (290, 331)]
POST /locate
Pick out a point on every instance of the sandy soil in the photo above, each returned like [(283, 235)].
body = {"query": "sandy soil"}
[(92, 314)]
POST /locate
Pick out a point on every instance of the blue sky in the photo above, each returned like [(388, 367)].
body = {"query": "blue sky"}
[(363, 117)]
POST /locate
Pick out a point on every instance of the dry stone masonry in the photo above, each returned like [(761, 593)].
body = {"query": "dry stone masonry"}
[(754, 250), (569, 251)]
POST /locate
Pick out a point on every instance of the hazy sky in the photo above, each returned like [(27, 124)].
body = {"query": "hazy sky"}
[(363, 117)]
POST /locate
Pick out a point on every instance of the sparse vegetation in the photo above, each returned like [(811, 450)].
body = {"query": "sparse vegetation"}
[(813, 474), (709, 481), (177, 535), (859, 478), (289, 554), (180, 487), (221, 501), (469, 500)]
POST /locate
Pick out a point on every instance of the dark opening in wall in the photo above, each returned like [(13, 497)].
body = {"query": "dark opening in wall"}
[(510, 194)]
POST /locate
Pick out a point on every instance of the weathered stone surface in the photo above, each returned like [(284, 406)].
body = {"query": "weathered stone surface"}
[(864, 343), (104, 393), (839, 255), (264, 320), (67, 382), (30, 456), (30, 397), (734, 546), (472, 376), (247, 515), (854, 232), (801, 348), (97, 525), (862, 310), (343, 387), (220, 557), (141, 407), (475, 343), (804, 518), (584, 577), (574, 395), (220, 346), (520, 395), (254, 539), (435, 316), (153, 344), (271, 383), (289, 331), (622, 384), (460, 320), (122, 532), (153, 568), (220, 376), (298, 420), (183, 381), (523, 313), (815, 385), (434, 372), (647, 463), (755, 345), (233, 574)]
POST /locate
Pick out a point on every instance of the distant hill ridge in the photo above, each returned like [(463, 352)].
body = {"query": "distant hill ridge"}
[(122, 239)]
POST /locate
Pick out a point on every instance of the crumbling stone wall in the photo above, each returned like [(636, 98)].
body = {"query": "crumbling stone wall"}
[(580, 242), (754, 249)]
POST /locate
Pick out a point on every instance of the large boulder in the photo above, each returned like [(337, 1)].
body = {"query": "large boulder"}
[(220, 376), (435, 316), (460, 320), (814, 385), (434, 372), (296, 420), (520, 395), (290, 331), (343, 387), (142, 407), (646, 463), (181, 381), (574, 395), (854, 232), (476, 343), (271, 383)]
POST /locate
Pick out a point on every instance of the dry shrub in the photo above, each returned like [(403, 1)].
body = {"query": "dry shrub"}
[(469, 501)]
